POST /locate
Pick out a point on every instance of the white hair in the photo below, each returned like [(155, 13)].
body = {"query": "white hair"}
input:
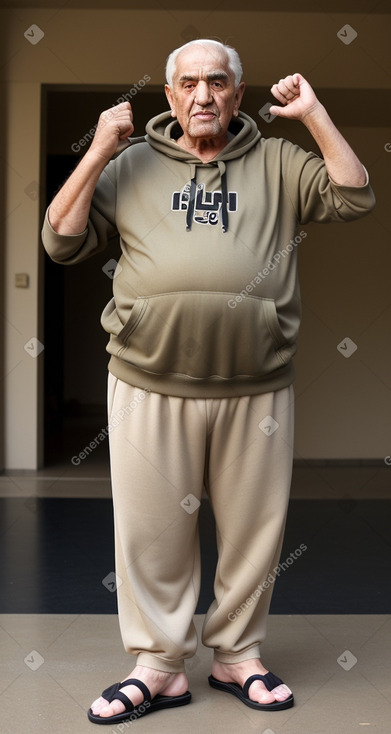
[(234, 62)]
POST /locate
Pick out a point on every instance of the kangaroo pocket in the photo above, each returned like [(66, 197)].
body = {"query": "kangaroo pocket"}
[(200, 334)]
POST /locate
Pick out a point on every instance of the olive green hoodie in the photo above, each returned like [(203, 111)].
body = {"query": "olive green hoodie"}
[(206, 298)]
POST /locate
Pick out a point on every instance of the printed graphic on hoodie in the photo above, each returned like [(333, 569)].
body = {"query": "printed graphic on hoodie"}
[(207, 204)]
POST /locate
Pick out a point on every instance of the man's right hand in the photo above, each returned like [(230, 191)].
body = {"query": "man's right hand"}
[(69, 210), (114, 125)]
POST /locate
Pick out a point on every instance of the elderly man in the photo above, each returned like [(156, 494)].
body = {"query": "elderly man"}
[(203, 326)]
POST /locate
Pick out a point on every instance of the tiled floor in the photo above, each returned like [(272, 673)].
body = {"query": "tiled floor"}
[(339, 666), (54, 666)]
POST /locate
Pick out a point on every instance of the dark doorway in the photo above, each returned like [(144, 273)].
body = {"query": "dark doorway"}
[(75, 355)]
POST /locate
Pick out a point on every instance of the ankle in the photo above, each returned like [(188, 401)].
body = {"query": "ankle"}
[(144, 672), (253, 665)]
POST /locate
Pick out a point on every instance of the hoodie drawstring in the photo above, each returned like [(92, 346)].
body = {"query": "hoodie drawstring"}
[(192, 196), (193, 192), (224, 195)]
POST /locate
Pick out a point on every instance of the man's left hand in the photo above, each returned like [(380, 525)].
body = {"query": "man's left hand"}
[(296, 95)]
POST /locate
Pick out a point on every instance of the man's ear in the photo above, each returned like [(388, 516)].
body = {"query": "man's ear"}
[(170, 98), (239, 92)]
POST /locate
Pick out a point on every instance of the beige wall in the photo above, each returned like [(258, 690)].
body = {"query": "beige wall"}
[(343, 405)]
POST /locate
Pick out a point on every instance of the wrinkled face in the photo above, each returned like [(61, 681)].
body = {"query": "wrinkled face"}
[(203, 96)]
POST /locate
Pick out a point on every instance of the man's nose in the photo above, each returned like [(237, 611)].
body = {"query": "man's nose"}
[(203, 95)]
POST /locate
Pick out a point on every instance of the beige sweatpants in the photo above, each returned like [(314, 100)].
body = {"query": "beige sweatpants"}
[(163, 449)]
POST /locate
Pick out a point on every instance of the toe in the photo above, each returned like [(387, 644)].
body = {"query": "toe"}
[(281, 693), (98, 704), (259, 693), (110, 709)]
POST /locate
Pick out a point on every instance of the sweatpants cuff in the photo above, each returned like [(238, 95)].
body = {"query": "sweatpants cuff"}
[(167, 666), (237, 657)]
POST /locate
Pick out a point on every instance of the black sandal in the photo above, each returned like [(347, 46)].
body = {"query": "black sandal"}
[(135, 712), (270, 680)]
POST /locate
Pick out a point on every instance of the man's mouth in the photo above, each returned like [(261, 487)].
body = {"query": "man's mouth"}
[(204, 115)]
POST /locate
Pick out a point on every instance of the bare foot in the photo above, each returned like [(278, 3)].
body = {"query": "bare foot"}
[(239, 672), (169, 684)]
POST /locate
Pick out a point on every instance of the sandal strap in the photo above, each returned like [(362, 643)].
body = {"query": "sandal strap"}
[(129, 706), (114, 691), (270, 680), (143, 688)]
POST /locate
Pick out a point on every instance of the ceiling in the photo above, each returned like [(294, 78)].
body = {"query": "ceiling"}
[(299, 6)]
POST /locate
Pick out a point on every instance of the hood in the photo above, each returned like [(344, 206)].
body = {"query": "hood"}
[(162, 132)]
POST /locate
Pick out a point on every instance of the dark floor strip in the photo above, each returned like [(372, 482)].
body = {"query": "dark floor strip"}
[(57, 557)]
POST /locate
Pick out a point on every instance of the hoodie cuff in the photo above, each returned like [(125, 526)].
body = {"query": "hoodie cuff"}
[(79, 234), (60, 246), (350, 186)]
